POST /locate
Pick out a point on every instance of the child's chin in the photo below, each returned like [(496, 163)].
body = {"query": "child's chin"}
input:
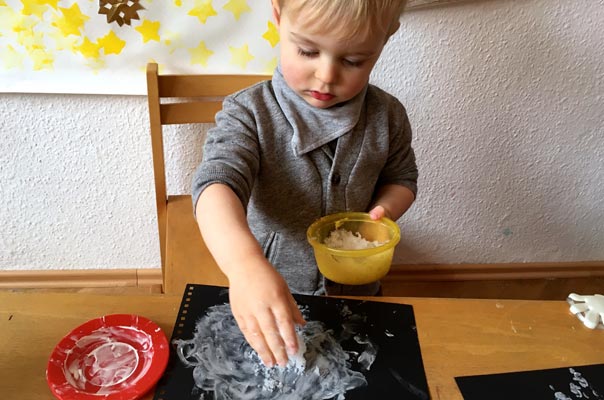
[(320, 104)]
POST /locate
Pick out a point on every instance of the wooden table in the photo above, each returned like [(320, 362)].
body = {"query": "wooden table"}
[(457, 336)]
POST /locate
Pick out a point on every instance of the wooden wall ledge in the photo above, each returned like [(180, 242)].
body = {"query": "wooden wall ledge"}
[(15, 279), (80, 278), (477, 272)]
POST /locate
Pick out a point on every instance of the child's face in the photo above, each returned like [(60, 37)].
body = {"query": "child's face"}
[(322, 67)]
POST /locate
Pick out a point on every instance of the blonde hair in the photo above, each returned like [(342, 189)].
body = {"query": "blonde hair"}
[(348, 17)]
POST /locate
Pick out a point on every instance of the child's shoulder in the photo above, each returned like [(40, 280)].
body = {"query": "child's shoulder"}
[(378, 94), (379, 99), (259, 89)]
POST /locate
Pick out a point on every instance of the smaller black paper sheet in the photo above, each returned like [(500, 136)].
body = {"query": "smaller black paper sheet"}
[(397, 371), (570, 383)]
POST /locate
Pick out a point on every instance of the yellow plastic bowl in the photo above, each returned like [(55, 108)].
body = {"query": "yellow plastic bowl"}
[(354, 267)]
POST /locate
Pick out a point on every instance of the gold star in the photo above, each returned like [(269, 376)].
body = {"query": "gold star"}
[(89, 49), (111, 43), (237, 7), (120, 11), (203, 10), (72, 20), (200, 54), (149, 30), (271, 34), (41, 59), (240, 56), (11, 58)]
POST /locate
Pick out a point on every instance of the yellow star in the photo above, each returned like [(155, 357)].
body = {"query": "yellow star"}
[(170, 37), (2, 3), (20, 23), (11, 58), (41, 59), (149, 30), (111, 43), (271, 34), (203, 10), (89, 49), (72, 20), (178, 3), (269, 67), (237, 7), (9, 19), (52, 3), (96, 64), (240, 56), (29, 3), (33, 8), (200, 54), (30, 40), (64, 42)]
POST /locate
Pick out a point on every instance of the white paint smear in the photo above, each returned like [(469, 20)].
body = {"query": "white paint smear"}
[(225, 364), (103, 361)]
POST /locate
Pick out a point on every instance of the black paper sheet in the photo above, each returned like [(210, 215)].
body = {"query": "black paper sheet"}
[(397, 371), (583, 382)]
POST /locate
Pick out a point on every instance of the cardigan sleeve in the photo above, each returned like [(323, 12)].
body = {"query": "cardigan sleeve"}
[(400, 168), (230, 152)]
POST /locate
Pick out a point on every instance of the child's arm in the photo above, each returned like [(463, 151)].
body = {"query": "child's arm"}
[(261, 302), (391, 201)]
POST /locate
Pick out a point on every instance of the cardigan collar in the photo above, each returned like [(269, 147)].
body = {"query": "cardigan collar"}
[(314, 127)]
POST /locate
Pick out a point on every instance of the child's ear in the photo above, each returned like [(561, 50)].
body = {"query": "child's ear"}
[(393, 28), (276, 12)]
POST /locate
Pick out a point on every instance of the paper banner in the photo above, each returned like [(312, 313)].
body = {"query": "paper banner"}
[(102, 47)]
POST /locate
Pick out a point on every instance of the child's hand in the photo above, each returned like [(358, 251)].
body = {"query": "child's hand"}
[(266, 313), (378, 212)]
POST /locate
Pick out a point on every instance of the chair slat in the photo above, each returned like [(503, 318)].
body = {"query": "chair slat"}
[(184, 113), (205, 85)]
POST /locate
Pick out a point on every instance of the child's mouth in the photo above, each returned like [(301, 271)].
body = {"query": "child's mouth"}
[(321, 96)]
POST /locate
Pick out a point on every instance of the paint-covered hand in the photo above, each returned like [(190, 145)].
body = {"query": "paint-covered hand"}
[(266, 313), (589, 309)]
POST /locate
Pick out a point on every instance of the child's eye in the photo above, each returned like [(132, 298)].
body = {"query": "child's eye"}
[(307, 53), (352, 63)]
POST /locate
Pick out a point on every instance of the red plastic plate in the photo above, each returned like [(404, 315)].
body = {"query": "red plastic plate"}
[(115, 357)]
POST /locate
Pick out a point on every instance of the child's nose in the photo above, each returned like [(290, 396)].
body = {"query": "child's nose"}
[(326, 72)]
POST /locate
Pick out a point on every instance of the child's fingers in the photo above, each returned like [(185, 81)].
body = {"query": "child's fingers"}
[(254, 336), (298, 318), (272, 336), (378, 212), (286, 323)]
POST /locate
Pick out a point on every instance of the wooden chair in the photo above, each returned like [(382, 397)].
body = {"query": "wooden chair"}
[(193, 99)]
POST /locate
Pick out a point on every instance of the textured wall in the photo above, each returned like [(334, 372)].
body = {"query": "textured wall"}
[(506, 99)]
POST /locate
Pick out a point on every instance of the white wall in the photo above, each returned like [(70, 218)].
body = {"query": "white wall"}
[(506, 99)]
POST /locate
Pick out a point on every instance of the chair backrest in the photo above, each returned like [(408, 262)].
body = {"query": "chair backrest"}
[(192, 99)]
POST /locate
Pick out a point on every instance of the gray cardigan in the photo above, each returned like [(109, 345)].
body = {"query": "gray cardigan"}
[(284, 186)]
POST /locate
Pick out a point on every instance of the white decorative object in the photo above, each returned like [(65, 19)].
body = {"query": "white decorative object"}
[(589, 309)]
